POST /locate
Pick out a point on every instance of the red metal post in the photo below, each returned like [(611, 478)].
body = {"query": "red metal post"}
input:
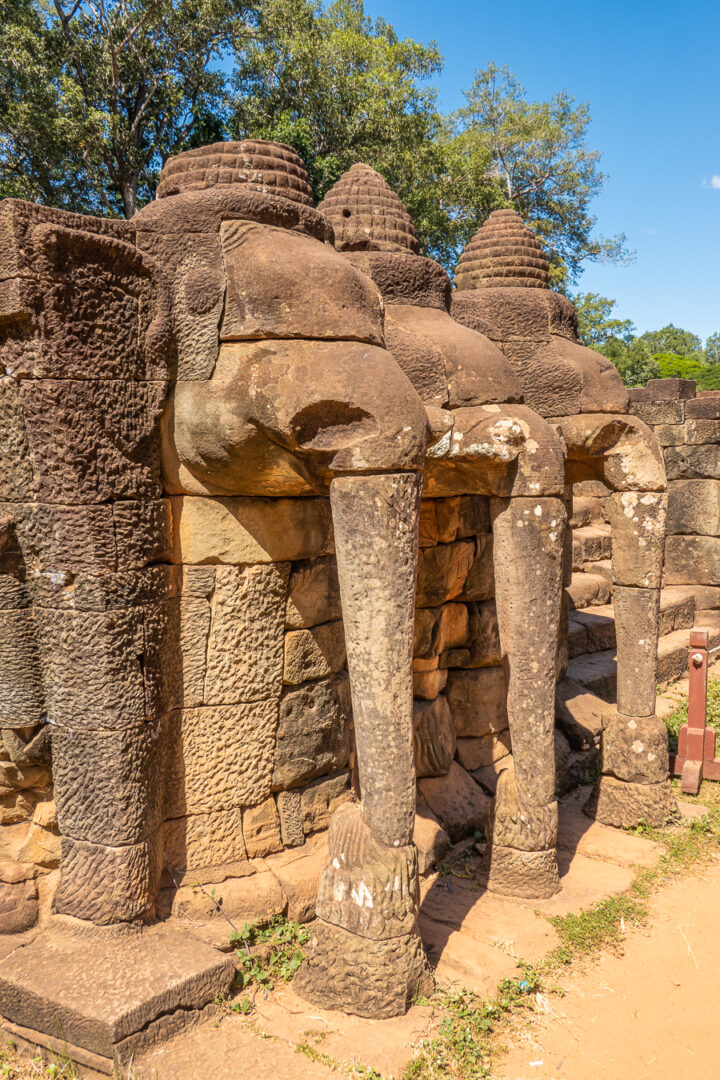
[(695, 759)]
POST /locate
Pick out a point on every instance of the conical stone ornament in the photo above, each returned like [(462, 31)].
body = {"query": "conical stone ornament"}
[(367, 215), (503, 252), (273, 168)]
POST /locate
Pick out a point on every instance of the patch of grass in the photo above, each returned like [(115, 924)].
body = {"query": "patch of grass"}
[(15, 1067), (309, 1047), (599, 927), (269, 951), (679, 717), (462, 1048)]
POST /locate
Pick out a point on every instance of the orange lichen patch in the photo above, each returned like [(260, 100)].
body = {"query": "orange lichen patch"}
[(504, 251), (367, 215), (266, 166)]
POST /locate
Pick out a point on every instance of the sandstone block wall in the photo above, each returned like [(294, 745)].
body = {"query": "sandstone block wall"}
[(687, 425)]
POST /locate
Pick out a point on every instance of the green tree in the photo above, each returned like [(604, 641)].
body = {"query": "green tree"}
[(671, 339), (712, 349), (533, 155), (94, 94), (633, 360), (596, 325), (341, 87)]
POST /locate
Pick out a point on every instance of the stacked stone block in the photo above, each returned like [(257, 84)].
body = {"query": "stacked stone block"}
[(687, 426)]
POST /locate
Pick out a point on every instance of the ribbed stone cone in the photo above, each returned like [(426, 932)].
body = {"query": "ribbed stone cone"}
[(265, 166), (367, 215), (503, 252)]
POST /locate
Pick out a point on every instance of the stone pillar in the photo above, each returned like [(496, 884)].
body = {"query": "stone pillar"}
[(528, 545), (365, 954)]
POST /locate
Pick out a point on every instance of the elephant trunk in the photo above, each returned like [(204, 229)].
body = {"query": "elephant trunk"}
[(365, 953)]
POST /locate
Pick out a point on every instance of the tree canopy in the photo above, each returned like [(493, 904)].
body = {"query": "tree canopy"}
[(96, 94), (596, 323)]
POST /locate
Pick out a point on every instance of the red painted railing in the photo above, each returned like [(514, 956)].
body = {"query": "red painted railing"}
[(695, 760)]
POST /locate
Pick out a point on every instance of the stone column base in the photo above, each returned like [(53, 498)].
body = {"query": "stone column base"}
[(108, 993), (625, 804), (529, 874), (360, 975)]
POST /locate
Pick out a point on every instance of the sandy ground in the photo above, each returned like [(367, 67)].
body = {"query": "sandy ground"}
[(651, 1014)]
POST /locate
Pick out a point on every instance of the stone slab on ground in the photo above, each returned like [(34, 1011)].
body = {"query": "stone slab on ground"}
[(145, 985)]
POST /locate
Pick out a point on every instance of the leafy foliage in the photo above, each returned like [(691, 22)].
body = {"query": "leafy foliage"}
[(95, 94), (706, 376), (671, 339), (531, 155), (268, 951), (596, 324)]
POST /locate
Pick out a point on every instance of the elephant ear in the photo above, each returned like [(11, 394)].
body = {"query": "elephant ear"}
[(87, 348)]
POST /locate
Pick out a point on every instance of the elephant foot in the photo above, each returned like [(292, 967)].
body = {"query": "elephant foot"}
[(365, 955), (625, 804), (362, 976), (522, 854), (532, 875)]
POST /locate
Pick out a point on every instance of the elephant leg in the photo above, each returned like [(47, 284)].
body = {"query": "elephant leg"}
[(365, 954), (528, 537), (634, 782)]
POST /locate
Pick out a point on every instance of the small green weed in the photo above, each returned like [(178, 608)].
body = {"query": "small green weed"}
[(14, 1067), (601, 926), (309, 1047), (269, 951)]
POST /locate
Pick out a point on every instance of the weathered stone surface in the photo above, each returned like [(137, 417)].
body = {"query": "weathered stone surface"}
[(382, 881), (669, 434), (483, 637), (638, 524), (122, 804), (245, 646), (637, 618), (314, 653), (378, 979), (625, 805), (46, 985), (442, 572), (298, 873), (671, 389), (249, 530), (429, 683), (199, 841), (91, 667), (321, 798), (531, 874), (480, 582), (313, 594), (22, 701), (478, 701), (314, 732), (703, 407), (587, 589), (692, 560), (292, 832), (261, 829), (659, 412), (476, 753), (694, 507), (460, 805), (18, 906), (429, 837), (691, 462), (220, 756), (104, 884), (635, 748), (268, 296), (579, 714), (702, 431), (433, 736)]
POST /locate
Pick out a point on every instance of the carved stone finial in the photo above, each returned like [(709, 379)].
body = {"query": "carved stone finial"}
[(266, 166), (367, 215), (503, 252)]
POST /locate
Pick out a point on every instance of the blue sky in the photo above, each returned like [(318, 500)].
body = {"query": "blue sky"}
[(650, 74)]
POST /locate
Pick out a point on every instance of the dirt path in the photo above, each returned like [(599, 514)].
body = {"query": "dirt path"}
[(651, 1014)]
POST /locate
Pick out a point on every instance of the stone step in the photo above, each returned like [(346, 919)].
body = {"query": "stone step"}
[(597, 672), (593, 630), (586, 590), (586, 510), (590, 544)]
